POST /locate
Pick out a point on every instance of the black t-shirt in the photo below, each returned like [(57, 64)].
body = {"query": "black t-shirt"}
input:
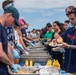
[(24, 34), (11, 36), (4, 42), (23, 31), (60, 33)]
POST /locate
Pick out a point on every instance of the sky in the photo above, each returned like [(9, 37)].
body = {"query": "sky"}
[(37, 13)]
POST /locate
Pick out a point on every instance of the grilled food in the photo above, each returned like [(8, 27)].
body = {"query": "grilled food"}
[(60, 40)]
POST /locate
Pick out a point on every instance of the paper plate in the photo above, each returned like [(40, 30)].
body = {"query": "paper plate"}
[(52, 45), (59, 45)]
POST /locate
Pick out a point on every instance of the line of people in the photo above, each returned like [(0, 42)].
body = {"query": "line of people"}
[(14, 40), (68, 33)]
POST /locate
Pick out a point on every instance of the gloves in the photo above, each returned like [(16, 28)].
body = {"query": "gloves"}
[(25, 52), (15, 54), (31, 44), (19, 47), (15, 67)]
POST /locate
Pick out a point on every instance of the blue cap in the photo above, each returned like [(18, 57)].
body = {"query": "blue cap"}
[(14, 13)]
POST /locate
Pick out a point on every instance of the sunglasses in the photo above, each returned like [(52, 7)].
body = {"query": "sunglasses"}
[(71, 11)]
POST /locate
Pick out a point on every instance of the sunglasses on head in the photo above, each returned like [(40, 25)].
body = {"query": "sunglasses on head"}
[(71, 11)]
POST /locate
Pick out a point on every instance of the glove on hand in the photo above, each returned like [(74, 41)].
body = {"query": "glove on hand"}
[(31, 44), (15, 54), (19, 47), (15, 67)]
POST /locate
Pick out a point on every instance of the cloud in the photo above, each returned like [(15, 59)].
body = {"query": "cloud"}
[(43, 4), (30, 6), (47, 13), (43, 20), (1, 4), (22, 17), (51, 12), (40, 12), (29, 10)]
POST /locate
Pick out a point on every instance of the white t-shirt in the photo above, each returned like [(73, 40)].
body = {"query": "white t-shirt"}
[(16, 36), (33, 35)]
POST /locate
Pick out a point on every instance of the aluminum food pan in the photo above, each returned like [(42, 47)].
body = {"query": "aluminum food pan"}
[(41, 52), (35, 59), (38, 45), (46, 43), (37, 54), (38, 51), (25, 74), (37, 48), (29, 69)]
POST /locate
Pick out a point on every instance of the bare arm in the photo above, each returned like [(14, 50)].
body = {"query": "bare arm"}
[(11, 47), (29, 38), (69, 46), (10, 55), (3, 57), (26, 40), (72, 46), (21, 41)]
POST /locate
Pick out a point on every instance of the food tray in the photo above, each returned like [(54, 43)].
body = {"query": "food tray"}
[(29, 69), (35, 59), (25, 74), (32, 69), (36, 47), (41, 52), (37, 51), (37, 54), (46, 43)]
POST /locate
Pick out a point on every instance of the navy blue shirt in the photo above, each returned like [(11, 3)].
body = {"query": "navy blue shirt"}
[(23, 31), (11, 35), (69, 37), (4, 41), (24, 34)]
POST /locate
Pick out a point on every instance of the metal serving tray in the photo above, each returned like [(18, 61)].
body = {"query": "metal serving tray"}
[(25, 74), (36, 54), (29, 69), (32, 69), (35, 59), (37, 48), (37, 51)]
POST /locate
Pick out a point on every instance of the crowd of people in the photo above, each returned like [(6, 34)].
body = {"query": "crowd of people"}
[(14, 40)]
